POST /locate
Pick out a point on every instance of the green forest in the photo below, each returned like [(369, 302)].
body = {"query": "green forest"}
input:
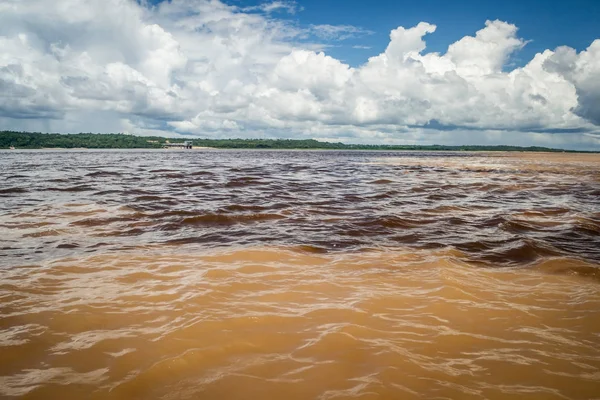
[(37, 140)]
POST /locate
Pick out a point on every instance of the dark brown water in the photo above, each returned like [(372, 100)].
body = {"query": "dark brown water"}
[(246, 274)]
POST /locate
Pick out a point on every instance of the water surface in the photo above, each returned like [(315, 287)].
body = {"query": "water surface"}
[(299, 274)]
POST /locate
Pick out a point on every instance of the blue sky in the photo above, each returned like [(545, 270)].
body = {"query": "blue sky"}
[(546, 24), (394, 72)]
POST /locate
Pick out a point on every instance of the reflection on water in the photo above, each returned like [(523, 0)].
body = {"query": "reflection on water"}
[(304, 275)]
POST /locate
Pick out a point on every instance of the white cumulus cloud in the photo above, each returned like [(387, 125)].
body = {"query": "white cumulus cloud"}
[(204, 67)]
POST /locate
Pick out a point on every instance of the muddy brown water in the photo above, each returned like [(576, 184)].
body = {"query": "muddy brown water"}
[(299, 274)]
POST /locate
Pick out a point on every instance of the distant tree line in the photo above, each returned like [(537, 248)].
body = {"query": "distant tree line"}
[(268, 144), (37, 140)]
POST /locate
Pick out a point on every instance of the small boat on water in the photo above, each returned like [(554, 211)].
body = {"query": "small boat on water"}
[(12, 147)]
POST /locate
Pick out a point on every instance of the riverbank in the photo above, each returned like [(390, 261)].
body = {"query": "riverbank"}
[(36, 140)]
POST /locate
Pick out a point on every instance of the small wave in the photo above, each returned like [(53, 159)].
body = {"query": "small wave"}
[(17, 176), (202, 173), (520, 226), (107, 221), (456, 221), (97, 174), (106, 192), (447, 209), (242, 208), (137, 192), (149, 198), (121, 233), (171, 213), (587, 225), (244, 181), (213, 239), (517, 252), (175, 176), (224, 219), (381, 182), (67, 246), (391, 194), (13, 190), (78, 188), (310, 249), (395, 222), (542, 212)]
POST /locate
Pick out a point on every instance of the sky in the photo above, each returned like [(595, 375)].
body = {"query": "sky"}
[(389, 72)]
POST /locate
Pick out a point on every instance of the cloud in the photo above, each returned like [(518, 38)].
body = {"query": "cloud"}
[(208, 68), (290, 7), (338, 32), (583, 71)]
